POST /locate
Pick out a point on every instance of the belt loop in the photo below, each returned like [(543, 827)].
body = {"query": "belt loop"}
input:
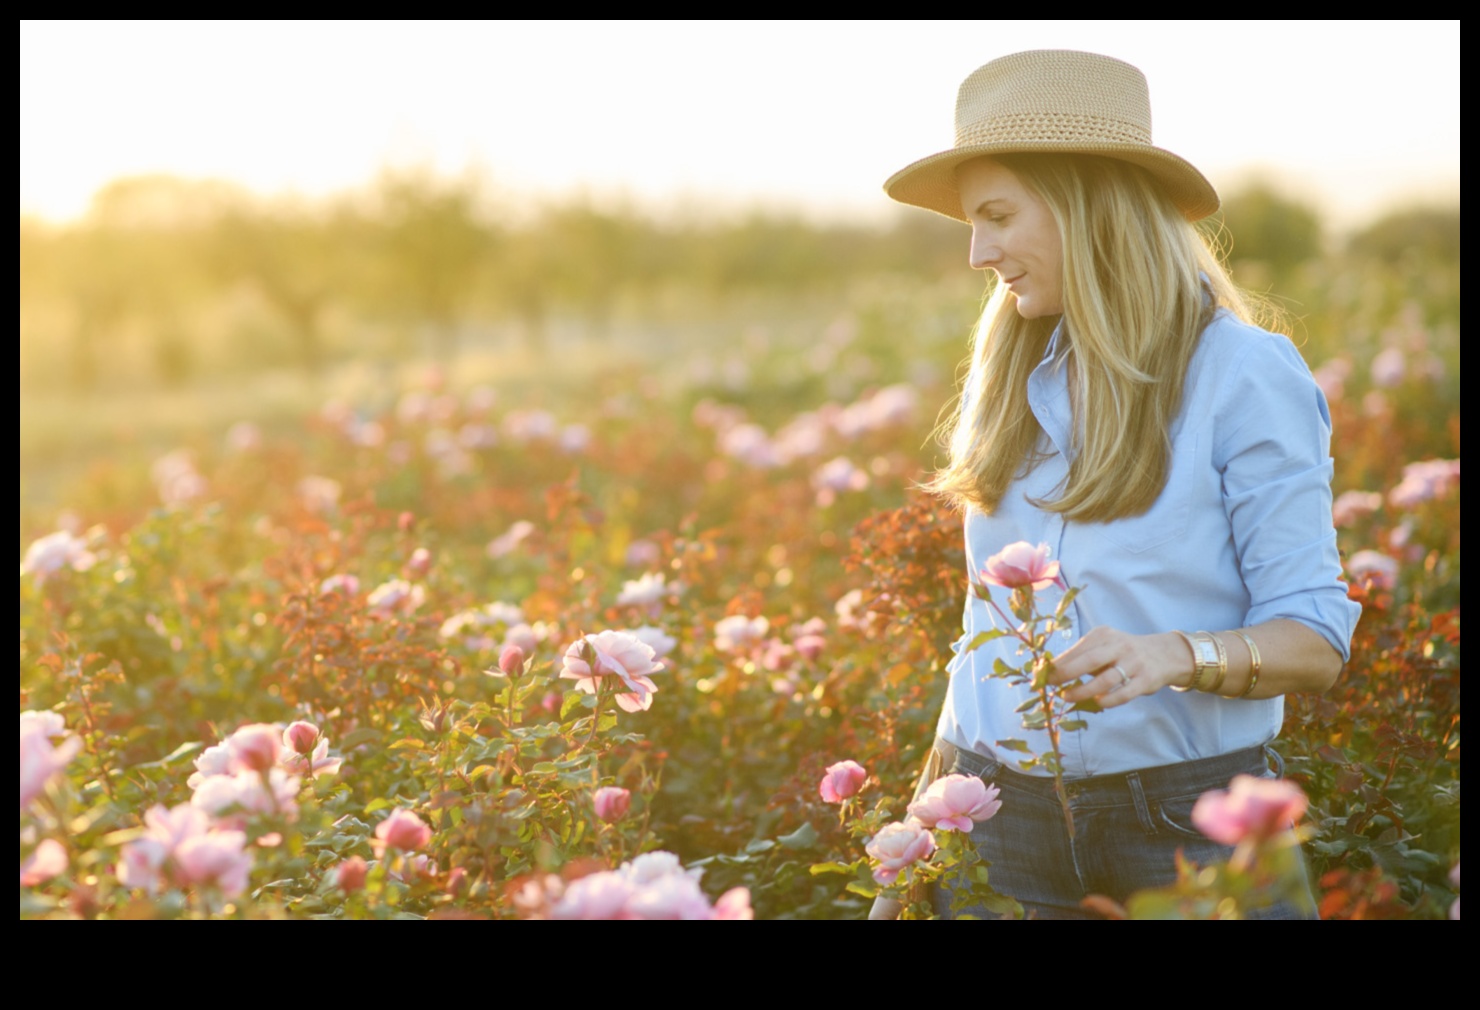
[(1272, 755), (1138, 797)]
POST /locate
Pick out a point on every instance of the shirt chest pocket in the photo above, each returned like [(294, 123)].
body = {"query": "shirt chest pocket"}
[(1169, 517)]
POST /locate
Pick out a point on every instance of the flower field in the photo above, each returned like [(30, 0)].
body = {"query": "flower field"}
[(461, 654)]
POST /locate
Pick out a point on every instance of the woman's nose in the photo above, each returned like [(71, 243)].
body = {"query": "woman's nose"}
[(983, 254)]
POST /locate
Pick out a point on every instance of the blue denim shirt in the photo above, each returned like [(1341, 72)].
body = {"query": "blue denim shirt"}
[(1242, 534)]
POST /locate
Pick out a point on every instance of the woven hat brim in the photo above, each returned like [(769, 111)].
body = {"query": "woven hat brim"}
[(930, 183)]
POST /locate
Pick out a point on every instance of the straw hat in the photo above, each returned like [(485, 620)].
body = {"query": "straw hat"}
[(1054, 100)]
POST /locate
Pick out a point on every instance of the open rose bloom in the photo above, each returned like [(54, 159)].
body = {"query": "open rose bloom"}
[(841, 781), (955, 803), (1250, 808), (898, 846), (614, 654), (1021, 565)]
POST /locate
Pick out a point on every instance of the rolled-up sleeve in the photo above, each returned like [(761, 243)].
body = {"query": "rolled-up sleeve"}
[(1272, 448)]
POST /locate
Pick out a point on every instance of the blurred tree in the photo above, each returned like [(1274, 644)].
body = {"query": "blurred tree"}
[(1418, 232), (434, 244), (1266, 226), (297, 255)]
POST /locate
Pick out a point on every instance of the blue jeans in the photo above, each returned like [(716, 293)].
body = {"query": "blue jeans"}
[(1127, 830)]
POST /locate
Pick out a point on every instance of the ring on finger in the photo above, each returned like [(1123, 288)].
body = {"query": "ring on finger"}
[(1125, 679)]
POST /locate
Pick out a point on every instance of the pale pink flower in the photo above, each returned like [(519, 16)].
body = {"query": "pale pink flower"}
[(842, 780), (313, 764), (737, 632), (956, 802), (1249, 808), (243, 436), (750, 444), (51, 724), (319, 494), (1374, 568), (1331, 376), (55, 551), (675, 897), (215, 760), (255, 746), (810, 646), (510, 539), (660, 641), (511, 661), (349, 585), (734, 904), (420, 561), (597, 896), (1388, 367), (300, 737), (898, 846), (642, 553), (1020, 565), (396, 596), (651, 866), (216, 859), (611, 803), (574, 438), (412, 869), (402, 830), (1425, 480), (49, 860), (618, 654), (244, 793), (140, 864), (648, 591), (40, 760), (350, 874), (1351, 506), (530, 425), (169, 827)]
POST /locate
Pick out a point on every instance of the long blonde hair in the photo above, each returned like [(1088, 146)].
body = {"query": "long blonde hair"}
[(1139, 285)]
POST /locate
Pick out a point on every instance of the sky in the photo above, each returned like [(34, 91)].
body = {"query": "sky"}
[(1352, 116)]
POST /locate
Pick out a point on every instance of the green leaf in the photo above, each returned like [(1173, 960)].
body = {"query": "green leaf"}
[(1030, 703), (867, 890), (760, 845), (803, 837), (982, 638), (819, 868), (1087, 705), (359, 736), (174, 755), (1017, 745), (572, 699), (1069, 725), (1001, 669)]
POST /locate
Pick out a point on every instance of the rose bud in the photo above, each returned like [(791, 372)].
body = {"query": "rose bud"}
[(611, 803), (255, 746), (405, 521), (511, 660), (350, 876), (301, 737), (402, 830), (420, 561)]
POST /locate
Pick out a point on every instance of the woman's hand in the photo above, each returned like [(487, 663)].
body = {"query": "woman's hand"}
[(1117, 667), (1120, 667)]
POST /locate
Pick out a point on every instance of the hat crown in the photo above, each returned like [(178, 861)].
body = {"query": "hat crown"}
[(1051, 98)]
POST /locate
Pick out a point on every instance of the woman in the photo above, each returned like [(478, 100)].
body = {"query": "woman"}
[(1122, 409)]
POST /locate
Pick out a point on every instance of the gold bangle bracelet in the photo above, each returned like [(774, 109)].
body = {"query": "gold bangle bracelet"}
[(1222, 663), (1195, 669), (1254, 664)]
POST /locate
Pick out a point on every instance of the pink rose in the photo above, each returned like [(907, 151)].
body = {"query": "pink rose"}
[(1373, 567), (897, 846), (420, 562), (842, 780), (350, 874), (614, 654), (611, 803), (49, 860), (40, 760), (1249, 808), (955, 802), (1020, 565), (511, 661), (734, 904), (401, 830), (216, 859), (300, 737), (255, 746)]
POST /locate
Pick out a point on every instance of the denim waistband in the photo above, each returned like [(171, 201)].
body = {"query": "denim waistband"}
[(1184, 778)]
